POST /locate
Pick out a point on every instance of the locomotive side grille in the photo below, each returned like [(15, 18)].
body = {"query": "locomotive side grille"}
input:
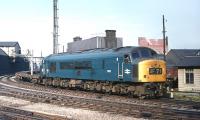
[(135, 71)]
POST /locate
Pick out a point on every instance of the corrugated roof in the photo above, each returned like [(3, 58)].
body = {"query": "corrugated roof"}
[(184, 57), (8, 44)]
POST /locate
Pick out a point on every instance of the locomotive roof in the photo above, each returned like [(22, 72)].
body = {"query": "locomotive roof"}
[(95, 53)]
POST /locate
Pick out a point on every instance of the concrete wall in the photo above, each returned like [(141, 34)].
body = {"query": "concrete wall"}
[(20, 64), (182, 86), (83, 44), (92, 43), (5, 66), (10, 65)]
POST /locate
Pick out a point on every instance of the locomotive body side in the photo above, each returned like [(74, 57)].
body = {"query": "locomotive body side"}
[(85, 67), (121, 70), (105, 66)]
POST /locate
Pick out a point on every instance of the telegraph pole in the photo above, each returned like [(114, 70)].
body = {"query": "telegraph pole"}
[(164, 41), (55, 27)]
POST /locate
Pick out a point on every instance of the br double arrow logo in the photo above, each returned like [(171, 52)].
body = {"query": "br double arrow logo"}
[(127, 71)]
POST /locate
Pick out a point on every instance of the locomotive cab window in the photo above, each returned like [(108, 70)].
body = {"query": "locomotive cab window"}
[(127, 58), (153, 53), (135, 55), (145, 53)]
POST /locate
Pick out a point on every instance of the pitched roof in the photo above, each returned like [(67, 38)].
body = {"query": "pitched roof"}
[(2, 52), (184, 57), (8, 44)]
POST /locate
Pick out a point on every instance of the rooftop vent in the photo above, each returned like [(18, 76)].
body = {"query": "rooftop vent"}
[(111, 33), (77, 38)]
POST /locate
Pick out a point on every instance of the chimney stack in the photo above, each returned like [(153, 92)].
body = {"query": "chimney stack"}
[(77, 38), (110, 39), (111, 33)]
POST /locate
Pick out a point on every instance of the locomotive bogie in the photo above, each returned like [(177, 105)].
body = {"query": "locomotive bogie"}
[(131, 89)]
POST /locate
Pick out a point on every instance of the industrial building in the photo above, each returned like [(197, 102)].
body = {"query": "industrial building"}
[(109, 41), (11, 60), (4, 63), (11, 48), (155, 44)]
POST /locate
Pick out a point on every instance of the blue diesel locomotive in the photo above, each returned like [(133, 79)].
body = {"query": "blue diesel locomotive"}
[(125, 70)]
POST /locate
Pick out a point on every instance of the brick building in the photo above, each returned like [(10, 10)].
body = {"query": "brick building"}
[(155, 44)]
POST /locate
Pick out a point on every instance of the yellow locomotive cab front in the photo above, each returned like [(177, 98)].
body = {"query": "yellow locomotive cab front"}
[(152, 71)]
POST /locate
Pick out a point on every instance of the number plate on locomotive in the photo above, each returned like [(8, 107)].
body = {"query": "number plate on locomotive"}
[(153, 71)]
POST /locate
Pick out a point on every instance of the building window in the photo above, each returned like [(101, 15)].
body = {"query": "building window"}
[(189, 76)]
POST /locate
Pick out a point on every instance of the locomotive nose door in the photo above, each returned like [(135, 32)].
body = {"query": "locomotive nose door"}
[(127, 69), (124, 68), (120, 68)]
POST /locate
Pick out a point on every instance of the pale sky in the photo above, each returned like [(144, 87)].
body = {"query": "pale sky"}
[(30, 22)]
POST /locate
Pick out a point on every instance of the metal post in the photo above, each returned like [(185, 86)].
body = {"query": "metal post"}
[(31, 60), (55, 27), (164, 39), (63, 48)]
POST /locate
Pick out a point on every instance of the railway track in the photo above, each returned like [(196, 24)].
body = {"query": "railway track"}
[(10, 113), (14, 113), (152, 109), (114, 98)]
